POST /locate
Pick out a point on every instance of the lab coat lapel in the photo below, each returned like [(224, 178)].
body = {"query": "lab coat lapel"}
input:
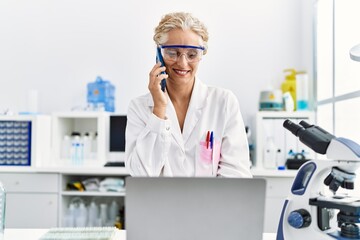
[(175, 128), (197, 102)]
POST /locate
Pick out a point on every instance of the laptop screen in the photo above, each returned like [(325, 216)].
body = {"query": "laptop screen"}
[(194, 208)]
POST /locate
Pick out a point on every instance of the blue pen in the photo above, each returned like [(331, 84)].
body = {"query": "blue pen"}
[(212, 151)]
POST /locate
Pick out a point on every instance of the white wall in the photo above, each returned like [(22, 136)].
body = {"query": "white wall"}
[(58, 46)]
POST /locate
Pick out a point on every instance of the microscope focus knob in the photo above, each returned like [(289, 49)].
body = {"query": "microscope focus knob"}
[(348, 185), (299, 218), (328, 179)]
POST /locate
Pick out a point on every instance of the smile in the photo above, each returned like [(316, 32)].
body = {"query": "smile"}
[(181, 72)]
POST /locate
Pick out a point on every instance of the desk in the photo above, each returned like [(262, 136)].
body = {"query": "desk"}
[(35, 234)]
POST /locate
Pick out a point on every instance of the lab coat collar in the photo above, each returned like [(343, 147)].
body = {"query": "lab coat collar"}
[(197, 102)]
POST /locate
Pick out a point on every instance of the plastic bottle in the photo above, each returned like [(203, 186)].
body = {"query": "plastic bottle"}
[(71, 215), (289, 104), (113, 211), (77, 149), (289, 85), (280, 160), (302, 91), (81, 219), (94, 145), (66, 147), (2, 210), (291, 154), (93, 214), (270, 154), (86, 140), (103, 213)]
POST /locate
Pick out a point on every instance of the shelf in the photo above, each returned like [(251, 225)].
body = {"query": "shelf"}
[(94, 124), (93, 194), (96, 171)]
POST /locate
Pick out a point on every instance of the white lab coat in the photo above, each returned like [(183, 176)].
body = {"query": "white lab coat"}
[(156, 147)]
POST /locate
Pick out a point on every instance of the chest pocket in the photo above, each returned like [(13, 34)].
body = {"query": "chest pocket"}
[(207, 159)]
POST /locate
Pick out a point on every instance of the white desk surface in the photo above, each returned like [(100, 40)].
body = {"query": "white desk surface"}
[(35, 234)]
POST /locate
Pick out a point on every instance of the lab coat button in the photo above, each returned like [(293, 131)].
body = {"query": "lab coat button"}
[(167, 128)]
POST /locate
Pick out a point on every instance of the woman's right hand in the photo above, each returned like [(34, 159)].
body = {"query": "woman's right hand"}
[(159, 97)]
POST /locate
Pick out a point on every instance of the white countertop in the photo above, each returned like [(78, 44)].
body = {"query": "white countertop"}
[(67, 170), (257, 172), (35, 234), (123, 171)]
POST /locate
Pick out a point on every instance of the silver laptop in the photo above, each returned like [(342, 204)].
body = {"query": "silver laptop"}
[(194, 208)]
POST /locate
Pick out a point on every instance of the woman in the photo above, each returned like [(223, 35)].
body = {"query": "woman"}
[(189, 129)]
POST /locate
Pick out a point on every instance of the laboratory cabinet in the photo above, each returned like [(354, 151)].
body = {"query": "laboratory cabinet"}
[(38, 197), (31, 200), (275, 144), (278, 186), (101, 199), (42, 194)]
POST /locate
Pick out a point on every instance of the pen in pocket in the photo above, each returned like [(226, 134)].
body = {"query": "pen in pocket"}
[(207, 139), (212, 151)]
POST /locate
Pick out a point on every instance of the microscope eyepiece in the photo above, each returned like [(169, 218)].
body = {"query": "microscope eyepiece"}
[(292, 127), (312, 136), (304, 124)]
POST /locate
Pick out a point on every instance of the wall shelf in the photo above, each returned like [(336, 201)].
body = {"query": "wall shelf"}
[(93, 194), (95, 124)]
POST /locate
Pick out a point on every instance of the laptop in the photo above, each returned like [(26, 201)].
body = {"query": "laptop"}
[(194, 208)]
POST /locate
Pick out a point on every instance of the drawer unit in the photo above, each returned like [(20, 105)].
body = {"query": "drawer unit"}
[(24, 140), (15, 143), (278, 187), (30, 182), (31, 200), (26, 210)]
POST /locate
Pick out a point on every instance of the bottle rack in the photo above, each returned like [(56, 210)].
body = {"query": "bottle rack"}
[(65, 123)]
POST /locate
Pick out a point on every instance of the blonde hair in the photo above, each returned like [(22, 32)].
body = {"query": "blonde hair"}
[(181, 20)]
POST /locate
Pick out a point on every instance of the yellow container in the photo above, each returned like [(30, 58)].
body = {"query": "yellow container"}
[(289, 85)]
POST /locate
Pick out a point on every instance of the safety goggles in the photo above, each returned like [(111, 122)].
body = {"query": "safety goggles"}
[(172, 53)]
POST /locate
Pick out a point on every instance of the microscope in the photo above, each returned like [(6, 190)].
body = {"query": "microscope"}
[(308, 211)]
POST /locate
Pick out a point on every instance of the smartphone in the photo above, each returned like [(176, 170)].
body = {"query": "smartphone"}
[(160, 59)]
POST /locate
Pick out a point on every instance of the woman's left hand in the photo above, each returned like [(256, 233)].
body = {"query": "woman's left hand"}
[(159, 97)]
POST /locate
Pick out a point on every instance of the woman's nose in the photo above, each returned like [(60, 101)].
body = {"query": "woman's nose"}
[(182, 59)]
